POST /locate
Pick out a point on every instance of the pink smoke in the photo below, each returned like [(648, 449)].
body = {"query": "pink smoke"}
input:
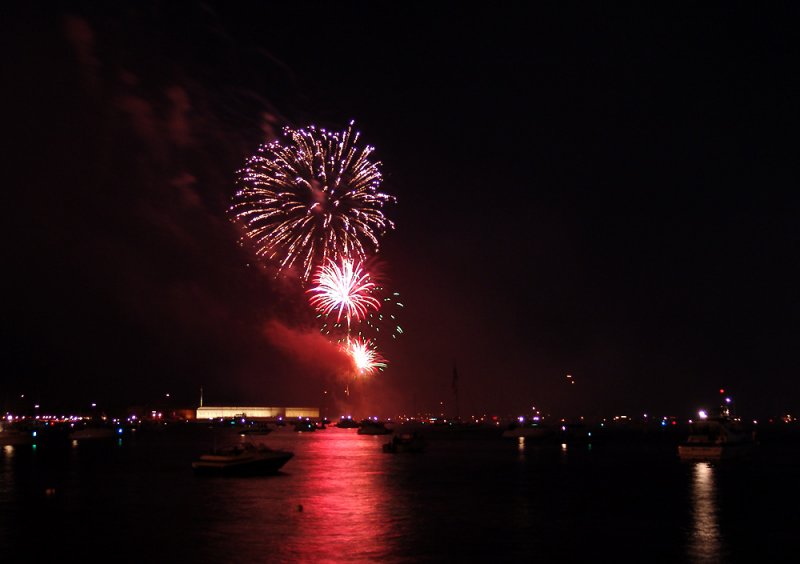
[(309, 349)]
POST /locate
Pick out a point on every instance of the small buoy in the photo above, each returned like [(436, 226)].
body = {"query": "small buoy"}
[(300, 508)]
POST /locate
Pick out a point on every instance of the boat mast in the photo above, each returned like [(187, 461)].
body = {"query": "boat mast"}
[(455, 391)]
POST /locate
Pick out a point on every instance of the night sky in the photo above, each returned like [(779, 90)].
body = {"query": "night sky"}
[(609, 193)]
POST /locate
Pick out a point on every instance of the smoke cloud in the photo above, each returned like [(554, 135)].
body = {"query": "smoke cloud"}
[(309, 349)]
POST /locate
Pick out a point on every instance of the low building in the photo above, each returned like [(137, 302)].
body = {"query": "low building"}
[(256, 412)]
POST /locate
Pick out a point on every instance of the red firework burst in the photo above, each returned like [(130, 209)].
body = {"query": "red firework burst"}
[(345, 289)]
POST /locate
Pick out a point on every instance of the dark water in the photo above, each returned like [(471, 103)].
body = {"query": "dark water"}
[(342, 500)]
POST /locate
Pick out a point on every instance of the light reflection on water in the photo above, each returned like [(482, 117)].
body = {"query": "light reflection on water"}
[(330, 503), (342, 499), (706, 540)]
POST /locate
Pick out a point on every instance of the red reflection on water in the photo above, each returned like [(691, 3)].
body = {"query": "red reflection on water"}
[(344, 499), (332, 502)]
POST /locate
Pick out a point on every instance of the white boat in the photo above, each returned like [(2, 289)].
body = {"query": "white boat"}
[(716, 438), (244, 459)]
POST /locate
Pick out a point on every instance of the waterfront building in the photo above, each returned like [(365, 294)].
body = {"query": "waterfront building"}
[(256, 412)]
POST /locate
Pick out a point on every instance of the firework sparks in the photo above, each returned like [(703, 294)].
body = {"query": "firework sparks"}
[(312, 198), (384, 321), (344, 289), (377, 324), (366, 359)]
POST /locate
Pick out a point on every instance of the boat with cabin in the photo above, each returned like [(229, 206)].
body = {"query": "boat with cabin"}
[(242, 460), (257, 429), (347, 422), (373, 427), (405, 442), (532, 428), (305, 426), (717, 437)]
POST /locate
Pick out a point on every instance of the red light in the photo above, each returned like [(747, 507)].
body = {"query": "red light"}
[(674, 422), (721, 391)]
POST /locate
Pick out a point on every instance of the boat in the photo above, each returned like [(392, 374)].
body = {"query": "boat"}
[(373, 427), (257, 429), (574, 433), (91, 432), (305, 426), (14, 435), (347, 422), (405, 442), (716, 438), (243, 459), (528, 428)]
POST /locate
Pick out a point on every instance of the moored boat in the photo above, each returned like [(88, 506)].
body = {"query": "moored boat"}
[(305, 426), (405, 442), (257, 429), (717, 438), (347, 422), (91, 433), (373, 427), (13, 435), (528, 428), (244, 459)]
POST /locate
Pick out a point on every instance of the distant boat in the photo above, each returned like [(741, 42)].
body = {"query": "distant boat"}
[(305, 426), (574, 432), (405, 442), (528, 429), (257, 429), (91, 432), (347, 422), (373, 427), (11, 435), (242, 460), (716, 438)]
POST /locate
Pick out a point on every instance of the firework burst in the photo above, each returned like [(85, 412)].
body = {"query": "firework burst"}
[(312, 198), (344, 289), (367, 360)]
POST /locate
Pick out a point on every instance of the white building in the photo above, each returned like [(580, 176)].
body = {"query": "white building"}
[(255, 412)]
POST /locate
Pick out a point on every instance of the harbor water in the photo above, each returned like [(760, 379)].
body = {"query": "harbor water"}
[(341, 499)]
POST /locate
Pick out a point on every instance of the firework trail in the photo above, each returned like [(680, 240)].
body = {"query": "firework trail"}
[(344, 289), (366, 359), (312, 198)]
